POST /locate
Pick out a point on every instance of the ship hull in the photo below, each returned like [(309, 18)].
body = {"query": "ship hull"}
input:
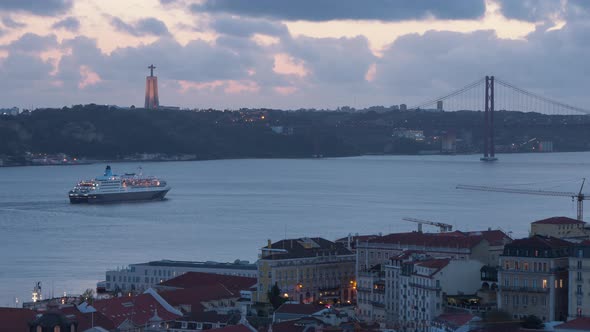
[(118, 197)]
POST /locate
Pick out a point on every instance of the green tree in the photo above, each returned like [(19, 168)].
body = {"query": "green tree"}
[(275, 297), (87, 296)]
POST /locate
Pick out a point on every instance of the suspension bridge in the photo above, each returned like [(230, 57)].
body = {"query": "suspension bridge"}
[(490, 94)]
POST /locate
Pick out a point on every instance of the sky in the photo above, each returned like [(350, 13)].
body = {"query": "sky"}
[(228, 54)]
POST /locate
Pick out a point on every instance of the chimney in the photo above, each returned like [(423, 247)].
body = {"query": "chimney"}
[(269, 244)]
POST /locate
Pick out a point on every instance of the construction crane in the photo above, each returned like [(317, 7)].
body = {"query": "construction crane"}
[(579, 197), (441, 226)]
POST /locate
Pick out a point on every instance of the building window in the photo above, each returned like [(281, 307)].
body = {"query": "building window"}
[(515, 282), (525, 283), (534, 300), (516, 266), (579, 276), (525, 266), (506, 282), (515, 300), (580, 253), (507, 265), (534, 283), (579, 291), (544, 283), (525, 300), (560, 283), (579, 264)]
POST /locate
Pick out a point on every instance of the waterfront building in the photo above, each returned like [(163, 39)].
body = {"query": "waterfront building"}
[(152, 100), (560, 227), (579, 285), (533, 278), (139, 277), (307, 270)]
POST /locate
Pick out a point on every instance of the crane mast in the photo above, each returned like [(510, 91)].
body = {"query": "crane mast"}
[(579, 197)]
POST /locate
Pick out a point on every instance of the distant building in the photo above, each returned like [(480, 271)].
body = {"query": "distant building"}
[(533, 278), (152, 101), (307, 270), (403, 107), (142, 276), (371, 294), (416, 135), (439, 105), (10, 111), (560, 227)]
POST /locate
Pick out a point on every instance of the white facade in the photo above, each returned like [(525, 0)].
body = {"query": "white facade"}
[(419, 288), (138, 277)]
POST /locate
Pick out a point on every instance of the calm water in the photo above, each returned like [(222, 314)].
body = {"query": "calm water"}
[(224, 210)]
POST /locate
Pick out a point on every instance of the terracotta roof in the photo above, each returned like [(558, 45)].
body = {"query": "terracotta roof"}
[(299, 309), (194, 297), (197, 279), (558, 221), (437, 264), (233, 328), (578, 324), (138, 309), (539, 242), (456, 319), (15, 319), (85, 320), (440, 240)]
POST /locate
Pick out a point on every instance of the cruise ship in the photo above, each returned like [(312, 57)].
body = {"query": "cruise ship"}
[(111, 188)]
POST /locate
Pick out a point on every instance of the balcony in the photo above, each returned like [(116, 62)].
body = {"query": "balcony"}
[(524, 289)]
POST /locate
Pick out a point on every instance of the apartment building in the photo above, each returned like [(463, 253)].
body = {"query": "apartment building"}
[(533, 278), (307, 270)]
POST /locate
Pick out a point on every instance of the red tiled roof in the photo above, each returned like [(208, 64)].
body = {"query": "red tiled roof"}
[(558, 221), (85, 320), (441, 240), (579, 324), (541, 242), (437, 263), (233, 328), (299, 309), (194, 297), (138, 309), (456, 319), (15, 319), (494, 237), (197, 279)]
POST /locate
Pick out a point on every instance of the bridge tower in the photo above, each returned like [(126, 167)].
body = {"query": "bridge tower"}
[(489, 151)]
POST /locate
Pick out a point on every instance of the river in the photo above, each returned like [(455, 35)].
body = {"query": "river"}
[(227, 209)]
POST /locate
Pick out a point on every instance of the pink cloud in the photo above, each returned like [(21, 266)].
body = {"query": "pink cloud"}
[(285, 90), (287, 65), (229, 86), (88, 77)]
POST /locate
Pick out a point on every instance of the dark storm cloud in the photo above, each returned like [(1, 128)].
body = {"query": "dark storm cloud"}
[(325, 10), (142, 27), (39, 7), (8, 22), (245, 27), (70, 23)]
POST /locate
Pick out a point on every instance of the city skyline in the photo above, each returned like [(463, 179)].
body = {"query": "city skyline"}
[(280, 54)]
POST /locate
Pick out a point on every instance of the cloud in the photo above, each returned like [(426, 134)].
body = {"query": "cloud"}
[(33, 43), (8, 22), (43, 7), (143, 27), (246, 27), (312, 10), (69, 23)]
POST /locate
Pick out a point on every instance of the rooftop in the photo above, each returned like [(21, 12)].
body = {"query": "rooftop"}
[(242, 265), (303, 248), (456, 239), (540, 242), (138, 309), (299, 309), (578, 324), (15, 319), (195, 279), (558, 221)]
